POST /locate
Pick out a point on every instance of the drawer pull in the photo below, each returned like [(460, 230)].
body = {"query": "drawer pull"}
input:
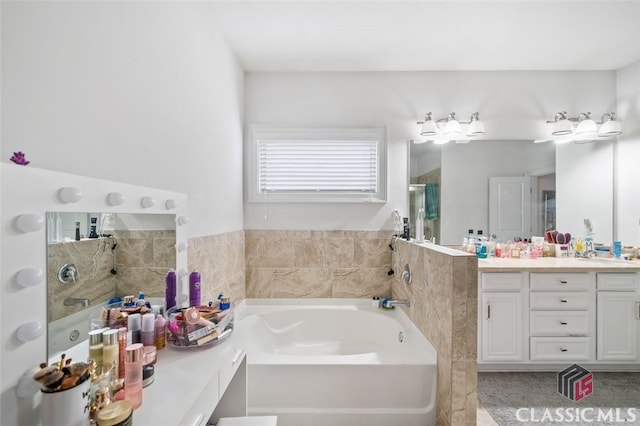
[(563, 323), (638, 310), (563, 349), (488, 311), (563, 281), (563, 300)]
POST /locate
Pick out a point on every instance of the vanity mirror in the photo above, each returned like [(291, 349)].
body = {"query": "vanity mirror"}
[(117, 254), (453, 182)]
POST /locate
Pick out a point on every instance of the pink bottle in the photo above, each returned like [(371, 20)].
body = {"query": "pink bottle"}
[(134, 358)]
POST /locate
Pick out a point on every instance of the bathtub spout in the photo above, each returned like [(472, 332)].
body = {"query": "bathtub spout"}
[(390, 303), (70, 301)]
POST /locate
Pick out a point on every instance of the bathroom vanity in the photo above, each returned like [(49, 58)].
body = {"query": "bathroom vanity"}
[(192, 386), (539, 314)]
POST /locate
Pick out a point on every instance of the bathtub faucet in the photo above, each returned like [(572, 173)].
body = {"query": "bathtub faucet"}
[(70, 301), (389, 303)]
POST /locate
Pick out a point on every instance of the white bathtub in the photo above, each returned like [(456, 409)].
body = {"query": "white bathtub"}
[(336, 362)]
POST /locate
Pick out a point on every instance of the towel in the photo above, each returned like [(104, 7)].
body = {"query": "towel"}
[(431, 199)]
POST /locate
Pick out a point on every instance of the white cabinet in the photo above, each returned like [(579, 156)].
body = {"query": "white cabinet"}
[(502, 323), (618, 317)]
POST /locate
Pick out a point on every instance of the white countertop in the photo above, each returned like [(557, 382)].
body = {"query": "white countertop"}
[(558, 264), (185, 381)]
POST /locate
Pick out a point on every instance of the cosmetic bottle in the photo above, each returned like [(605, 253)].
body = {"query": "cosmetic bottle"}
[(93, 228), (77, 231), (194, 288), (134, 322), (147, 333), (405, 229), (159, 327), (122, 344), (170, 290), (95, 346), (134, 358), (110, 351)]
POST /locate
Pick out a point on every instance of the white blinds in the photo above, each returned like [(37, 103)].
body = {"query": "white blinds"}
[(290, 166)]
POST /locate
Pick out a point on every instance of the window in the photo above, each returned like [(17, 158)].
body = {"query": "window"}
[(290, 164)]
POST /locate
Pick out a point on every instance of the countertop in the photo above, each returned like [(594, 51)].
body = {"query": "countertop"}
[(558, 264), (184, 382)]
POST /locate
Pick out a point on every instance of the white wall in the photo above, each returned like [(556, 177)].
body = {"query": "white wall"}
[(628, 156), (138, 92), (466, 169), (513, 104)]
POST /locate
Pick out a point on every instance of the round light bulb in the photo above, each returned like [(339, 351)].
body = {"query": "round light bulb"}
[(30, 222), (171, 204), (182, 246), (29, 331), (182, 272), (29, 277), (115, 198), (148, 202), (182, 220), (70, 194)]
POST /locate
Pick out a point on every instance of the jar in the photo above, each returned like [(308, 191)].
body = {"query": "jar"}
[(119, 413)]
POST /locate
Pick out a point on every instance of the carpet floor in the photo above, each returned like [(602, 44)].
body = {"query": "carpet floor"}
[(533, 398)]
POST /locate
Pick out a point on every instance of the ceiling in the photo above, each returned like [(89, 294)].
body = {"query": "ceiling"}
[(351, 35)]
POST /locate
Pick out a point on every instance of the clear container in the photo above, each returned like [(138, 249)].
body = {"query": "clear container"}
[(134, 359)]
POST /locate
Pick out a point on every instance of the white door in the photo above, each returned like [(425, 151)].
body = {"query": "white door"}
[(510, 207), (618, 326), (502, 327)]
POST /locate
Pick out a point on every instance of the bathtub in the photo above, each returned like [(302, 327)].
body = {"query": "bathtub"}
[(335, 362)]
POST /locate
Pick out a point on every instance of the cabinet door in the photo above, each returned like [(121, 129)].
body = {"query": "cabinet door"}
[(502, 327), (617, 317)]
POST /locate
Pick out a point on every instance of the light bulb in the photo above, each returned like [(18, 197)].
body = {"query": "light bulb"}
[(115, 198), (182, 246), (148, 202), (70, 194), (182, 220), (29, 331), (171, 204), (29, 277), (30, 222)]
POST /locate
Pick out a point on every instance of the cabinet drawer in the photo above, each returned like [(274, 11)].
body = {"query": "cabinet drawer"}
[(618, 281), (559, 323), (559, 300), (560, 348), (572, 281), (507, 281)]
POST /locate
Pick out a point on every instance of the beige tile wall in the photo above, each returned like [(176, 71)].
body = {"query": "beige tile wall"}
[(142, 261), (283, 263), (220, 259), (444, 300)]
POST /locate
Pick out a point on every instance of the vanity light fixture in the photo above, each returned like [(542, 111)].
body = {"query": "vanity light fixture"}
[(69, 194), (29, 222), (171, 204), (586, 129), (29, 331), (115, 198), (148, 202), (446, 129), (29, 277)]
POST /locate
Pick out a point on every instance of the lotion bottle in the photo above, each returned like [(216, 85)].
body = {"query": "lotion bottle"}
[(134, 358), (110, 351), (147, 333)]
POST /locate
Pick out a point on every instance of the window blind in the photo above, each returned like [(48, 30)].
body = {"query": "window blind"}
[(336, 166)]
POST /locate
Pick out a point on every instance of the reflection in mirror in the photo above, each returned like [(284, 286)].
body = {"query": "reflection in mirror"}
[(461, 178), (115, 255)]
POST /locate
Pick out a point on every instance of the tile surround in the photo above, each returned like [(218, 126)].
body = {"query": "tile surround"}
[(444, 307), (284, 263)]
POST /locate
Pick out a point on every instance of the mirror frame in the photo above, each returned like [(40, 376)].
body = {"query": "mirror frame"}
[(28, 190)]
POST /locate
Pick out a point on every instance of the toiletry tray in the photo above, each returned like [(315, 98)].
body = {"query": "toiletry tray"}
[(186, 330)]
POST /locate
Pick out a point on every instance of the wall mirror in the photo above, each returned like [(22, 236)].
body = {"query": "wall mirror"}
[(454, 184), (113, 255)]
